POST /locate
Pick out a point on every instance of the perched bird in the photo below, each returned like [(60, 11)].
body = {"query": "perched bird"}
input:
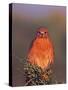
[(41, 52)]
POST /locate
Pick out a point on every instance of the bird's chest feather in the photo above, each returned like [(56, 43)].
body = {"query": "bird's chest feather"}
[(41, 53), (42, 46)]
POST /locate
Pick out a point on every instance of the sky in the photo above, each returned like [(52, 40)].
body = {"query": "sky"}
[(36, 11)]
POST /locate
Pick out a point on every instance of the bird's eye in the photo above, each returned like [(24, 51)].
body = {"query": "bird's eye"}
[(38, 32), (45, 32)]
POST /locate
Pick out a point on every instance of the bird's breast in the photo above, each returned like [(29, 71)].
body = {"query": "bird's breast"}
[(41, 52), (42, 44)]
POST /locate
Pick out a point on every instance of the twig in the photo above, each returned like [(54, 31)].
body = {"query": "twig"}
[(20, 59), (29, 81)]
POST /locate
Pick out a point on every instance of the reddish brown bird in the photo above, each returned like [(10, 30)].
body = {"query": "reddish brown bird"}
[(41, 52)]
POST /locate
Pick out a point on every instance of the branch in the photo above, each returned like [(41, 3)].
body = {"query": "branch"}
[(29, 81)]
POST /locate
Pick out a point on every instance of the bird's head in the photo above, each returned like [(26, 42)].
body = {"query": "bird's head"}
[(42, 32)]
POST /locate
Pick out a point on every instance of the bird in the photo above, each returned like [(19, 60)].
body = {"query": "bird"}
[(41, 51)]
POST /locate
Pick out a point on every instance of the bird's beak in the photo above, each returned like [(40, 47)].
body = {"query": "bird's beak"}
[(42, 35)]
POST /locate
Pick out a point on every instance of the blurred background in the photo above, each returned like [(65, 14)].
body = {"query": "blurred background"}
[(26, 18)]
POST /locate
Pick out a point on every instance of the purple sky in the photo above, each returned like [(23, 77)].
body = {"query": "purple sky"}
[(36, 11)]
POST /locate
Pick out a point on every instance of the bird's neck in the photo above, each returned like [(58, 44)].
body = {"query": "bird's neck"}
[(42, 42)]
